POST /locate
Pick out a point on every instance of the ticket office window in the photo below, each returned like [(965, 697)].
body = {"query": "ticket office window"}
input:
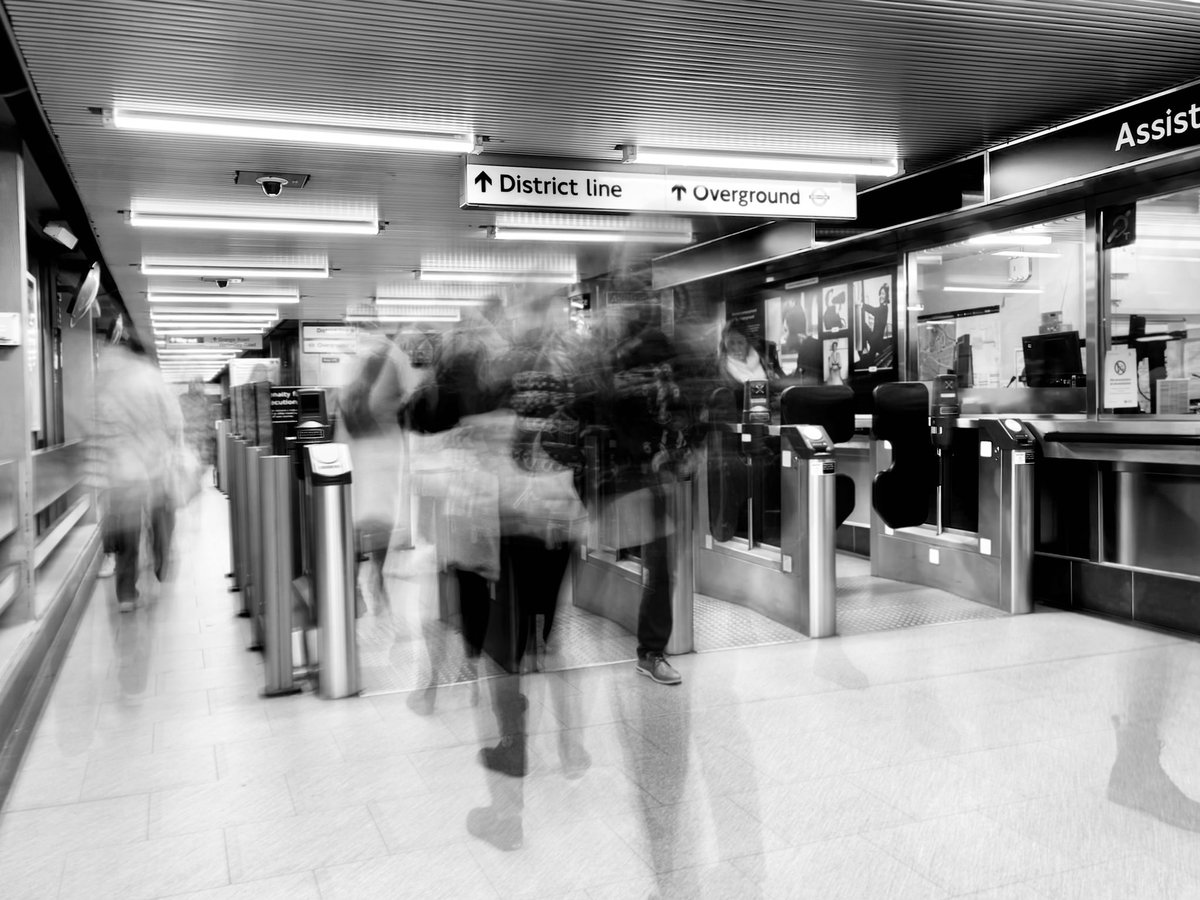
[(1004, 312), (1150, 307)]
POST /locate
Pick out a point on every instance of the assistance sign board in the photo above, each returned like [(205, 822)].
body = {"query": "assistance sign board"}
[(521, 187)]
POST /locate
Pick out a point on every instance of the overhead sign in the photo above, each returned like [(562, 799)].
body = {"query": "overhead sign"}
[(1160, 125), (328, 339), (519, 187)]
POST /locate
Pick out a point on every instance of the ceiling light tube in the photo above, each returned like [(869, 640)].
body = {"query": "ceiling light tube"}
[(1010, 239), (970, 289), (310, 269), (508, 233), (420, 301), (169, 296), (291, 132), (386, 319), (767, 162), (478, 277), (204, 329), (272, 224), (221, 316), (1032, 254)]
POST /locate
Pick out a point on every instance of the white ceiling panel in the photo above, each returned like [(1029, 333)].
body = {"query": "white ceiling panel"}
[(924, 80)]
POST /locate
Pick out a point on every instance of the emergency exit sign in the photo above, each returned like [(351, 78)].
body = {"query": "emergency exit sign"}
[(527, 188)]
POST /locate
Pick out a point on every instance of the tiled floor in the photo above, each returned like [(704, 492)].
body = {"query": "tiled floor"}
[(969, 759)]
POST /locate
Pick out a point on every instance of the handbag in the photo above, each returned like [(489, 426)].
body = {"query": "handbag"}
[(541, 501)]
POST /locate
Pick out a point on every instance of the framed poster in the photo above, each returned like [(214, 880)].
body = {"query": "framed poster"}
[(874, 329), (834, 308), (835, 356)]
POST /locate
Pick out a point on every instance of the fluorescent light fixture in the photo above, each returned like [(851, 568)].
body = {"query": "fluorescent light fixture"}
[(226, 296), (766, 162), (478, 277), (970, 289), (929, 259), (205, 329), (523, 226), (315, 223), (291, 132), (505, 233), (301, 268), (433, 301), (802, 283), (392, 312), (216, 315), (1032, 254), (1010, 238)]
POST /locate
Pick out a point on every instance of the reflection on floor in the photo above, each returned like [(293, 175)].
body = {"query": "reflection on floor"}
[(976, 759), (399, 639)]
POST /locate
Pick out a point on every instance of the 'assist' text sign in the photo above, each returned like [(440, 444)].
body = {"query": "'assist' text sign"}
[(519, 187)]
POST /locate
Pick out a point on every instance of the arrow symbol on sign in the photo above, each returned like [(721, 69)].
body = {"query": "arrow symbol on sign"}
[(678, 191), (483, 179)]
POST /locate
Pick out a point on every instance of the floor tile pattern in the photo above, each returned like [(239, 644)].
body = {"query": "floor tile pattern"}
[(1041, 756)]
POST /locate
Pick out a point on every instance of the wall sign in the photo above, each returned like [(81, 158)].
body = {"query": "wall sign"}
[(1159, 125), (519, 187), (1120, 378)]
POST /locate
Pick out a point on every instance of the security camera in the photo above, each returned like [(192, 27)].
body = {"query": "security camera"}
[(222, 282), (272, 185)]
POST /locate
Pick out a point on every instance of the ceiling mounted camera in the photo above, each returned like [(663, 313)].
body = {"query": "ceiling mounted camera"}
[(272, 185), (222, 282)]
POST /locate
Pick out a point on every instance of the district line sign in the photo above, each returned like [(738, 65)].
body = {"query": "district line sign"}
[(519, 187)]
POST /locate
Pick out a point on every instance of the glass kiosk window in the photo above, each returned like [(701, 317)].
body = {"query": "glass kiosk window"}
[(1150, 307), (1003, 312)]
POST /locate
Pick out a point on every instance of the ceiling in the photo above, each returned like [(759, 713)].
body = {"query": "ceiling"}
[(923, 80)]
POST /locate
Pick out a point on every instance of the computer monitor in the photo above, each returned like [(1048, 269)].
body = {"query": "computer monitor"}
[(1053, 360)]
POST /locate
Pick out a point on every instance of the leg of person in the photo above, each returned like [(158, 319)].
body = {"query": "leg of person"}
[(127, 538), (108, 535), (654, 614), (162, 531)]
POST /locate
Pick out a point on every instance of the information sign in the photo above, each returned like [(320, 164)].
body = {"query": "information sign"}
[(520, 187)]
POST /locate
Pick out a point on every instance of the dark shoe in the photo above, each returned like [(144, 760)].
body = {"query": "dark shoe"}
[(507, 757), (655, 667), (502, 833)]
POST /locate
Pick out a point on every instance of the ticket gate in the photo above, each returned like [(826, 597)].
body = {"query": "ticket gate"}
[(953, 498), (790, 576)]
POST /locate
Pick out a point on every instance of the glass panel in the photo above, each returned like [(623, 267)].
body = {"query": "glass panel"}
[(1004, 312), (1151, 359)]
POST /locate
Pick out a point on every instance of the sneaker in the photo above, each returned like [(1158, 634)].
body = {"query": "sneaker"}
[(126, 606), (108, 566), (656, 667)]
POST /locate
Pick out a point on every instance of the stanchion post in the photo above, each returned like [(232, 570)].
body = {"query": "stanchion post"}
[(275, 485), (328, 472), (683, 590)]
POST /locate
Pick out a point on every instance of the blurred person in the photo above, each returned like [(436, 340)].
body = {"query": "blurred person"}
[(538, 462), (199, 436), (368, 420), (457, 523), (134, 452), (1138, 779), (649, 418)]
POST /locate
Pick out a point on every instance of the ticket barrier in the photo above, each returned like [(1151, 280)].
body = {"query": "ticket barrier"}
[(953, 497), (793, 583)]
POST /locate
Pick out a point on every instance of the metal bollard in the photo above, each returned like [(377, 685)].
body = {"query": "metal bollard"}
[(223, 456), (683, 591), (275, 487), (328, 472), (252, 589), (237, 498)]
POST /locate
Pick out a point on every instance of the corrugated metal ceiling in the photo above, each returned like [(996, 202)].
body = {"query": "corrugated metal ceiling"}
[(926, 80)]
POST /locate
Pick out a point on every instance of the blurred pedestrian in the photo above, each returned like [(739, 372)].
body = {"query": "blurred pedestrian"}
[(134, 455)]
